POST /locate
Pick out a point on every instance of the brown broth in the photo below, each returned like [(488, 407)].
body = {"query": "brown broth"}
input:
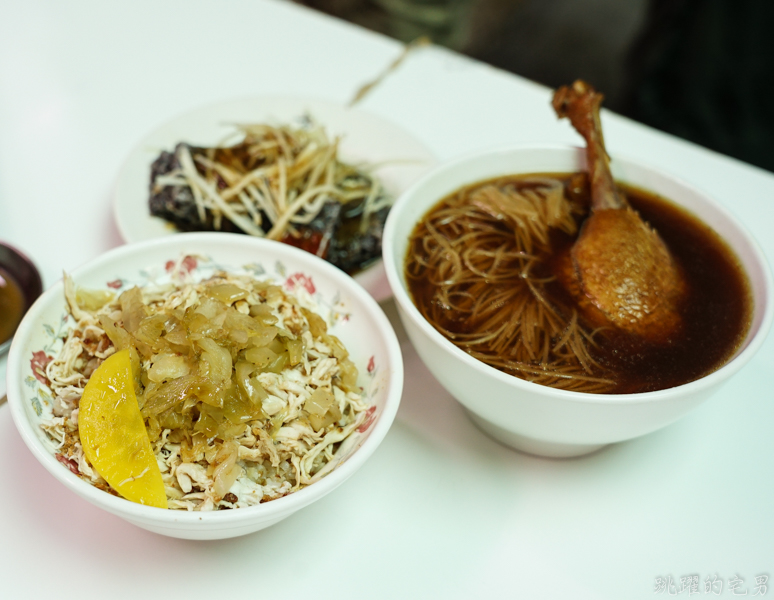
[(716, 313), (11, 305)]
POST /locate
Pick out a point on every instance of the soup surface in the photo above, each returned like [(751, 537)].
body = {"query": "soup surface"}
[(486, 280), (11, 305)]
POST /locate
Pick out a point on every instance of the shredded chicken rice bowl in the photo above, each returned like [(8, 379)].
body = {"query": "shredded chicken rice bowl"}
[(245, 395)]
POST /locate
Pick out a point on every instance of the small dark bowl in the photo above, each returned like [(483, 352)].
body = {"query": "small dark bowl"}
[(25, 274)]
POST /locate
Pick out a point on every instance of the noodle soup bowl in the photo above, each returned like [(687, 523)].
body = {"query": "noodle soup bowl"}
[(534, 418), (352, 314)]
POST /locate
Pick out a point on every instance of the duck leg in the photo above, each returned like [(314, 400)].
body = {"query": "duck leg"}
[(624, 275)]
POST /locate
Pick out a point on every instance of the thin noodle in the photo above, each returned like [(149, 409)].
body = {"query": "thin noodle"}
[(482, 251)]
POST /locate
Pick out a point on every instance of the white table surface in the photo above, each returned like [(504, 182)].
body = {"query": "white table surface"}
[(440, 511)]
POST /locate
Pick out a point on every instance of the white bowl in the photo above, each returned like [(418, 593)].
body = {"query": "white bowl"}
[(531, 417), (361, 325)]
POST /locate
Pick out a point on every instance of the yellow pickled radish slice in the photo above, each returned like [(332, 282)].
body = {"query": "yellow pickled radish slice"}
[(113, 433)]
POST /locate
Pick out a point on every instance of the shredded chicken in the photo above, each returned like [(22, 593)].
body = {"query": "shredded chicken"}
[(246, 396)]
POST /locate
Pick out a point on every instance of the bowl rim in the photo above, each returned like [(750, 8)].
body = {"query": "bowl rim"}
[(402, 296), (225, 518)]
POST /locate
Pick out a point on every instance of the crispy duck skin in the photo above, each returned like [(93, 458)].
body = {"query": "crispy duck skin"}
[(621, 271)]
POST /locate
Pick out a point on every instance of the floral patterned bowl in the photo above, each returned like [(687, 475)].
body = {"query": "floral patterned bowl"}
[(352, 314)]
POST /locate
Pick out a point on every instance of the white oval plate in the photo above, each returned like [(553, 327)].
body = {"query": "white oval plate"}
[(365, 138)]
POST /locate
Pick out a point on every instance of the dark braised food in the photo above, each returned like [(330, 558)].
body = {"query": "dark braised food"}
[(282, 183)]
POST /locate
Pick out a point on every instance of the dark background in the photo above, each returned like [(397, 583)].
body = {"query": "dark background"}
[(699, 69)]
